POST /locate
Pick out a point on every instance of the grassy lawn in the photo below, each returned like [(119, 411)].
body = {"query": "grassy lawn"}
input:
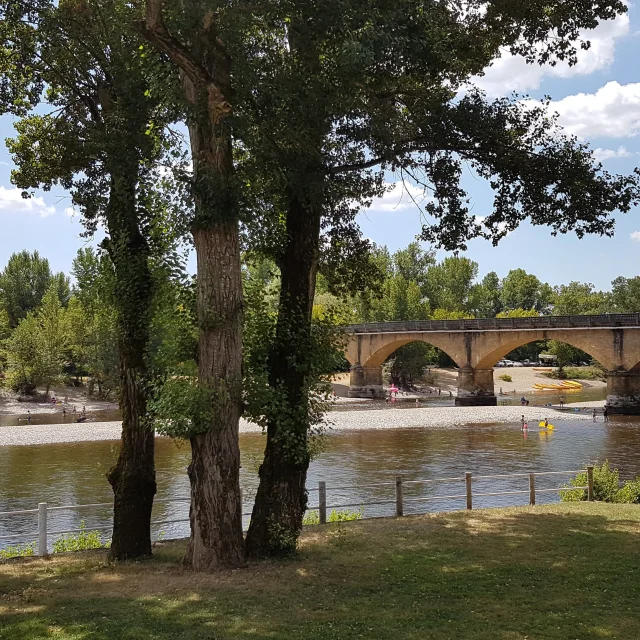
[(567, 571)]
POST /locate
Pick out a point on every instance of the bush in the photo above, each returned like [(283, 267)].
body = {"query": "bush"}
[(18, 551), (82, 541), (505, 377), (577, 373), (606, 487), (606, 483), (630, 492), (313, 517)]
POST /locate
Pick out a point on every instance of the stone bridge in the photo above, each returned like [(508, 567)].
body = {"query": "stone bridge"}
[(476, 345)]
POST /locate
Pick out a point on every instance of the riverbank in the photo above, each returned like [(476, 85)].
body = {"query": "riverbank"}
[(522, 381), (13, 404), (561, 571), (436, 417)]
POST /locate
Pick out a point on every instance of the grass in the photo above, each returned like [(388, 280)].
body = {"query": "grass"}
[(563, 571)]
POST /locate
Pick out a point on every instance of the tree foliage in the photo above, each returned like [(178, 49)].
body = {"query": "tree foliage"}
[(24, 282), (37, 347)]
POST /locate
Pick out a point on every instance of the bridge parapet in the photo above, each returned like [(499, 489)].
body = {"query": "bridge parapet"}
[(605, 321)]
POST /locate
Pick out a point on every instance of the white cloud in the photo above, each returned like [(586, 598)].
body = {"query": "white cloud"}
[(70, 212), (606, 154), (635, 236), (511, 73), (11, 201), (400, 197), (501, 225), (612, 112)]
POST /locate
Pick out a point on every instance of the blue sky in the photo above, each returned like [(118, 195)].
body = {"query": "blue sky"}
[(598, 100)]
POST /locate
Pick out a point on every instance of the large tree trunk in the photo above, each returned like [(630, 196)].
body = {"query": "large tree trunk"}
[(133, 476), (281, 500), (216, 504)]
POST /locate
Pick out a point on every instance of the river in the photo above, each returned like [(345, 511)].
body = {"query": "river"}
[(74, 473)]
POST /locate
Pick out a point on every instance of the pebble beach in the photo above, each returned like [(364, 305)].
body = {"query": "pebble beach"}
[(434, 417)]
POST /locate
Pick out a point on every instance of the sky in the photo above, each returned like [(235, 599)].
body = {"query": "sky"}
[(598, 100)]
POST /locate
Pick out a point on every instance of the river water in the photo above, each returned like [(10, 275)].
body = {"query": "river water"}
[(74, 473)]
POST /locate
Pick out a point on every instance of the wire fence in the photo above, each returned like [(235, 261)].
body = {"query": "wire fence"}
[(402, 494)]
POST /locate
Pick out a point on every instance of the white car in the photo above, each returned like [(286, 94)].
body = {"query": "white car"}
[(517, 364)]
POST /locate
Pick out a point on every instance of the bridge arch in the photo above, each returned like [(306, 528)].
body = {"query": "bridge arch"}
[(504, 343), (380, 355)]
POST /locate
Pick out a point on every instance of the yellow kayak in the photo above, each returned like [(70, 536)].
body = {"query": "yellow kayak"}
[(549, 427)]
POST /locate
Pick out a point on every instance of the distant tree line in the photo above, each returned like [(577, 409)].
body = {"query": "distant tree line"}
[(411, 284)]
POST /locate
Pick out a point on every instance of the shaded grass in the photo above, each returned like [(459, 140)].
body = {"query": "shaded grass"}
[(562, 571)]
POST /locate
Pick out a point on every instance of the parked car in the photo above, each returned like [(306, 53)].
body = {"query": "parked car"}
[(517, 364), (508, 363)]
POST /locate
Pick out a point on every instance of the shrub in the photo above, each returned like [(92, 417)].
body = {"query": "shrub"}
[(505, 377), (82, 541), (345, 515), (577, 373), (18, 551), (606, 487), (630, 492), (606, 483)]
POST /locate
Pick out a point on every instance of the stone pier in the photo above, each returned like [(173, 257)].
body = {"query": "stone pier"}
[(623, 393), (366, 382), (475, 388)]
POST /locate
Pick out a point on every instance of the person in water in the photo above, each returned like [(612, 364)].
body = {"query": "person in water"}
[(605, 413), (546, 423), (595, 417)]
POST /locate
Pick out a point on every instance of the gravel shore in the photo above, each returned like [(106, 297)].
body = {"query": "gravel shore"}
[(339, 421)]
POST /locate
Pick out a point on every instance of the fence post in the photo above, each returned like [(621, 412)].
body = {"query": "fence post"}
[(42, 529), (469, 495), (399, 501), (590, 483), (322, 501), (532, 489)]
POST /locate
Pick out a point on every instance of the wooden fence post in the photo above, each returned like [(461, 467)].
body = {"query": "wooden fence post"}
[(532, 489), (322, 501), (469, 495), (42, 529), (590, 483), (399, 500)]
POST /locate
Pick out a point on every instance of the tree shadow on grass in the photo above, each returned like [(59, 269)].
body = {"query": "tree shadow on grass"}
[(544, 573)]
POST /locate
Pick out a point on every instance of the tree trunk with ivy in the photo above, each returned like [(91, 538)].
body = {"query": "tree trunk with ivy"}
[(133, 476), (216, 506), (281, 500)]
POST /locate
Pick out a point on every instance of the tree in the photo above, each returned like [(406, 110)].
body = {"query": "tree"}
[(565, 353), (100, 139), (518, 313), (450, 284), (413, 264), (487, 296), (23, 283), (577, 298), (355, 89), (199, 38), (36, 349), (521, 290), (625, 294)]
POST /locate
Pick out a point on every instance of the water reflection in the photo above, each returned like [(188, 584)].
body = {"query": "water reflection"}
[(74, 473)]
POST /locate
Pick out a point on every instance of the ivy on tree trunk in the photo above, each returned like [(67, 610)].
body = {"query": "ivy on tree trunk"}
[(281, 499), (133, 476)]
